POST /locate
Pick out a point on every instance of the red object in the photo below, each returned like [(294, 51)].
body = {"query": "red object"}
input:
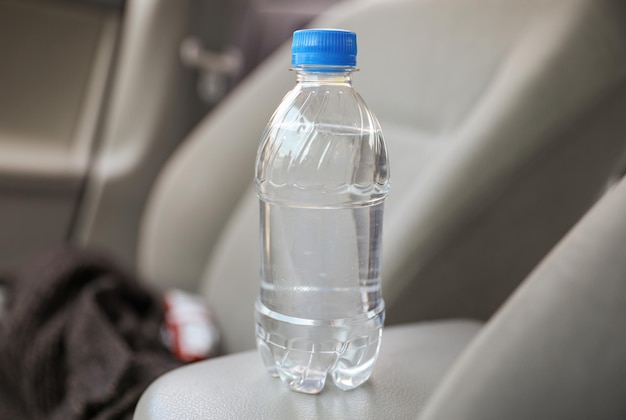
[(189, 329)]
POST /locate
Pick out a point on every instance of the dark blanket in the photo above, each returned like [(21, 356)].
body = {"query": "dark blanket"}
[(79, 340)]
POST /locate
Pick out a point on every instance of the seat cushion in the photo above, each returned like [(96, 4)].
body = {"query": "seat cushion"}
[(412, 360)]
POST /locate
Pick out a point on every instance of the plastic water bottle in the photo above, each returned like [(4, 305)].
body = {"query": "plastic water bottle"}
[(321, 176)]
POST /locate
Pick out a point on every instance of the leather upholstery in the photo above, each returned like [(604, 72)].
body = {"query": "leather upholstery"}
[(483, 193), (557, 349), (411, 363)]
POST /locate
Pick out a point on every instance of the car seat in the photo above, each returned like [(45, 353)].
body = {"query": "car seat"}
[(504, 122), (556, 350)]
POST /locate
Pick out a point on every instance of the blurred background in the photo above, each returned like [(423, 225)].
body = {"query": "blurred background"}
[(94, 97)]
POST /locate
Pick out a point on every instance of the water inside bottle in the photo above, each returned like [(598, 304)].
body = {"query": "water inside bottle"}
[(320, 310)]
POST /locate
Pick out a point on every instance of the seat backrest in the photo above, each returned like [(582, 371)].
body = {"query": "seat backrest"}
[(557, 349), (490, 110)]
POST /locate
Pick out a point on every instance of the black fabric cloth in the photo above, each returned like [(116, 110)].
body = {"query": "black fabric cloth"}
[(80, 339)]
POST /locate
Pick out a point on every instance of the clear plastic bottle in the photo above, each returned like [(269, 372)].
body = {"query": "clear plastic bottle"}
[(321, 176)]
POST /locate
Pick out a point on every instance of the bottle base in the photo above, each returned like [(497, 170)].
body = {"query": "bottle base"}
[(303, 353)]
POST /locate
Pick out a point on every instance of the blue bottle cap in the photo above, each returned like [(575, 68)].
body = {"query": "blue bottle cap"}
[(328, 47)]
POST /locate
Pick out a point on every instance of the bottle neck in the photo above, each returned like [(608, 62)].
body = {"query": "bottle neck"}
[(324, 74)]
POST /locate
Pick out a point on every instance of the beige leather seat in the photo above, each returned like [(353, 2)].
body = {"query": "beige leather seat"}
[(504, 122), (556, 350)]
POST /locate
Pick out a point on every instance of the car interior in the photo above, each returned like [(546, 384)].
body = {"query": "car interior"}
[(132, 127)]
